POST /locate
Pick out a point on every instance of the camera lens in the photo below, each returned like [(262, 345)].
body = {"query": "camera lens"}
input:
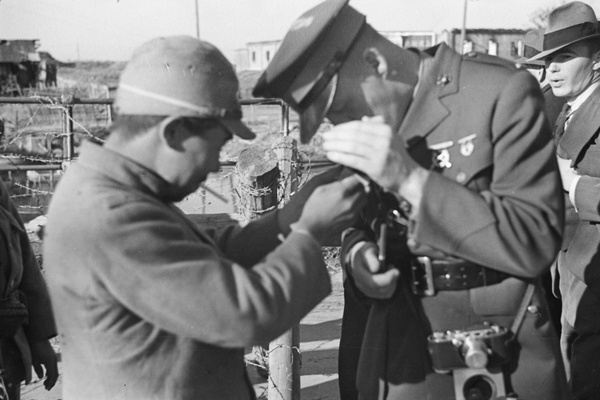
[(475, 353), (478, 387)]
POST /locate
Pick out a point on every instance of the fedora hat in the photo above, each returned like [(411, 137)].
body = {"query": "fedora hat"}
[(568, 24), (532, 45)]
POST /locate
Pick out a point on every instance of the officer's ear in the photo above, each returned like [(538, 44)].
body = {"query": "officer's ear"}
[(376, 60)]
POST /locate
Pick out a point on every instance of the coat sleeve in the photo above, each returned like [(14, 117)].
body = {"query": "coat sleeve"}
[(168, 275), (515, 225), (587, 198), (41, 323)]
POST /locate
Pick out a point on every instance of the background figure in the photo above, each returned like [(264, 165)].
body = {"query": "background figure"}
[(41, 75), (572, 58), (24, 340), (466, 205), (532, 45), (149, 304)]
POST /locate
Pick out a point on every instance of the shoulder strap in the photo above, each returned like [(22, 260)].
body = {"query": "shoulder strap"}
[(516, 326)]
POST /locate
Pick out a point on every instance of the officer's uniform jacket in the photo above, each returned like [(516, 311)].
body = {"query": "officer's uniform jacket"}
[(578, 261), (152, 306), (494, 199), (20, 272)]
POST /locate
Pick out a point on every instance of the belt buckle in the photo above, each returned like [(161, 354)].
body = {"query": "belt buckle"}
[(428, 275)]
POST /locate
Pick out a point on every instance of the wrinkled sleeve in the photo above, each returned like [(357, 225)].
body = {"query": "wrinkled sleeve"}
[(587, 198), (166, 274), (516, 225), (41, 324)]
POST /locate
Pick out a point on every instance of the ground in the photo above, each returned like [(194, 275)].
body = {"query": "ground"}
[(319, 341)]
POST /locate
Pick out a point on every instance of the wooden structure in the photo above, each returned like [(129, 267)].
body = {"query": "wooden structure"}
[(19, 61)]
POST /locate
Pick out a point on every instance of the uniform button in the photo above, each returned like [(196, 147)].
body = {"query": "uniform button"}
[(460, 177), (411, 242), (533, 309)]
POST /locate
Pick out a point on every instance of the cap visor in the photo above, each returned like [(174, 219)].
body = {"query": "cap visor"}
[(237, 127)]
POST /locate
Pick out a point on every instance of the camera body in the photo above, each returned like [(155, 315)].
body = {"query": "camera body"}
[(475, 357)]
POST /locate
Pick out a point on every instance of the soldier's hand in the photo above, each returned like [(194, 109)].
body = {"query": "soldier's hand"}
[(291, 212), (367, 274), (333, 207), (367, 146)]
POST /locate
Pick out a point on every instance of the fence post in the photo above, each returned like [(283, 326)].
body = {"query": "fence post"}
[(68, 143), (284, 352), (258, 175)]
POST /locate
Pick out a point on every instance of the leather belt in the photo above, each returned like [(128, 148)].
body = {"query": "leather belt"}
[(430, 276)]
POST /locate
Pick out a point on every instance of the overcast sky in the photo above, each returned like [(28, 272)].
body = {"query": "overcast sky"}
[(111, 29)]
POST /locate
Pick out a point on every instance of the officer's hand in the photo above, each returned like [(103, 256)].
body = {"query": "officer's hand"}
[(333, 207), (42, 354), (367, 146), (293, 209), (567, 173), (365, 268)]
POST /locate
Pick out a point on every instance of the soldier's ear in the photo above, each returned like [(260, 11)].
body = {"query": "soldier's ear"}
[(168, 132), (377, 61)]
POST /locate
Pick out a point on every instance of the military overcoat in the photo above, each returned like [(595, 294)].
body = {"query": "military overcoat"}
[(494, 199)]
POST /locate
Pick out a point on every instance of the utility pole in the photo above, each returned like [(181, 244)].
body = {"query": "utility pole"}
[(197, 21), (463, 31)]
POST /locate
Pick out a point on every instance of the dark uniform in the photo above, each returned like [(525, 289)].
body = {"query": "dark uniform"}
[(492, 204)]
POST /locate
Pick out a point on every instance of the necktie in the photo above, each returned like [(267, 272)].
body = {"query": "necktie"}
[(561, 125)]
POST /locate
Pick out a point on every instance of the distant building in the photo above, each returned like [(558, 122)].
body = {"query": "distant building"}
[(18, 65), (505, 43), (256, 56)]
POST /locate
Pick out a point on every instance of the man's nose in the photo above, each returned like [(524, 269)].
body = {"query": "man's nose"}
[(551, 67)]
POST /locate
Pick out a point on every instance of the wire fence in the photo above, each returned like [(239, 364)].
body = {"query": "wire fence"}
[(43, 133)]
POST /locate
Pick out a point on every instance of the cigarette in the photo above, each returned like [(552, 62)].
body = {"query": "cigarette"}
[(217, 195)]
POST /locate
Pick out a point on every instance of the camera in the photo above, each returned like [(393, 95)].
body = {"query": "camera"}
[(475, 357)]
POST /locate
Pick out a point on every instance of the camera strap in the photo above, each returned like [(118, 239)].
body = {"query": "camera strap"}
[(517, 322)]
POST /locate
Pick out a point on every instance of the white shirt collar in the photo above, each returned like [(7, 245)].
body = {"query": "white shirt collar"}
[(576, 102)]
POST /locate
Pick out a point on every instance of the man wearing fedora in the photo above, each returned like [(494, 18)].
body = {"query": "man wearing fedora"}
[(571, 53), (150, 305), (464, 214), (532, 45)]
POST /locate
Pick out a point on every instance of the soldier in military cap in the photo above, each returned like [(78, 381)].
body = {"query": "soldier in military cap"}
[(464, 215), (571, 52), (151, 305)]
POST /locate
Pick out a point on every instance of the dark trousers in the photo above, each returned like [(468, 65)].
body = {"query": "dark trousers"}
[(354, 320), (12, 366), (581, 348)]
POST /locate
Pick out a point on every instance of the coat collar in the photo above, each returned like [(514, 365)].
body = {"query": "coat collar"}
[(125, 171), (130, 174), (583, 127), (439, 78)]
